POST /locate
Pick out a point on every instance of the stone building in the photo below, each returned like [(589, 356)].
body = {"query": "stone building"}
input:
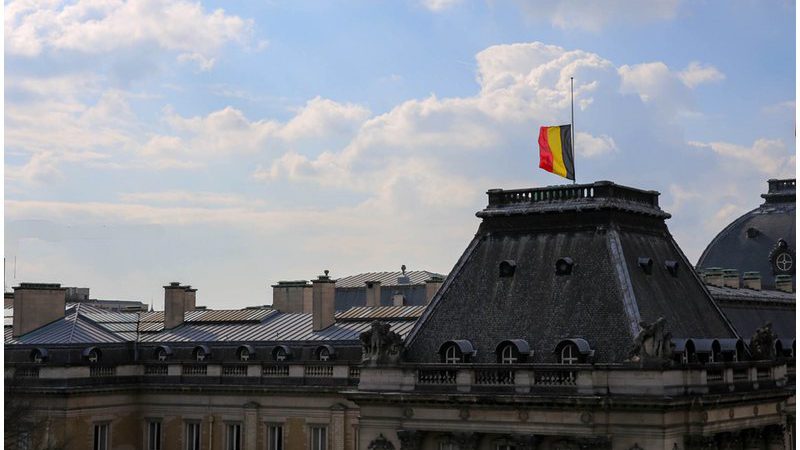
[(572, 320)]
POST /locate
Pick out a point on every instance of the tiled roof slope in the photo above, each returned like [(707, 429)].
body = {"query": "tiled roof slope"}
[(749, 309), (386, 278), (604, 228)]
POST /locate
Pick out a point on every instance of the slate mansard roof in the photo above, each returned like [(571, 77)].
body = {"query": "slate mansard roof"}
[(626, 268), (747, 244)]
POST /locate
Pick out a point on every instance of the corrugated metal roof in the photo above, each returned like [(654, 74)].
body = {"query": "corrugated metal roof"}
[(72, 329), (228, 315), (282, 327), (381, 312), (386, 278)]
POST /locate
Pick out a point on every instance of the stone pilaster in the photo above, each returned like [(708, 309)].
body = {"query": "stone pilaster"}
[(337, 426), (250, 431)]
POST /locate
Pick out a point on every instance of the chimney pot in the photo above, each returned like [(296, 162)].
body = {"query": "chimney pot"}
[(292, 296), (730, 278), (175, 304), (782, 283), (713, 277)]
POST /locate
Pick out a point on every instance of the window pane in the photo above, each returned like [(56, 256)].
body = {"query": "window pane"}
[(274, 437)]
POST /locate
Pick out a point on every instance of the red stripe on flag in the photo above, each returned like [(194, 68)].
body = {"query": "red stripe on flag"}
[(545, 154)]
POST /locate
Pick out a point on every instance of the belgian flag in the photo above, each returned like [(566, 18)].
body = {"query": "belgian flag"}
[(555, 151)]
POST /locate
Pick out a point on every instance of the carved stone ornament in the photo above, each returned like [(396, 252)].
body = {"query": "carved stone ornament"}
[(762, 344), (653, 343), (380, 443), (380, 345)]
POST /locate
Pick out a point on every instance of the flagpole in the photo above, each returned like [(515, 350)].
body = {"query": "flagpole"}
[(572, 128)]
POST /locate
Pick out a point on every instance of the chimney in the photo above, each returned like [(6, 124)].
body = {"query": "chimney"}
[(36, 305), (730, 278), (782, 283), (751, 280), (323, 302), (398, 299), (292, 296), (373, 293), (713, 276), (174, 304), (432, 285), (190, 299)]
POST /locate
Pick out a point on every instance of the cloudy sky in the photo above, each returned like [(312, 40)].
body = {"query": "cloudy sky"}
[(230, 145)]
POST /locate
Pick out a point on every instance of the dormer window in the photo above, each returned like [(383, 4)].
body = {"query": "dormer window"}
[(200, 354), (38, 355), (508, 355), (573, 351), (507, 268), (569, 354), (564, 266), (281, 353), (161, 354), (513, 351), (456, 352), (244, 354), (452, 355), (324, 354), (94, 356)]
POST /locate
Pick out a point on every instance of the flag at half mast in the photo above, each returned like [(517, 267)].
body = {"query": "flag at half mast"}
[(555, 151)]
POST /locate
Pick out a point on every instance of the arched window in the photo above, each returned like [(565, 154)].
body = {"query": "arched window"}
[(280, 354), (94, 355), (324, 354), (452, 355), (38, 355), (244, 354), (200, 354), (508, 354), (161, 354), (569, 354)]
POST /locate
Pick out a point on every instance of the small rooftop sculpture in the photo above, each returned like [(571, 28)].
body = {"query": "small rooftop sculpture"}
[(380, 345), (653, 343)]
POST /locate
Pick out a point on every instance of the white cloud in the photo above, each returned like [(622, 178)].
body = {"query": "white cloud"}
[(439, 5), (769, 156), (590, 146), (595, 16), (697, 73), (180, 197), (94, 26)]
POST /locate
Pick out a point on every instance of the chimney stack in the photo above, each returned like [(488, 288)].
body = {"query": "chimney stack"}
[(730, 278), (373, 293), (323, 306), (175, 304), (292, 296), (713, 277), (432, 285), (36, 305), (751, 280), (782, 283), (190, 299)]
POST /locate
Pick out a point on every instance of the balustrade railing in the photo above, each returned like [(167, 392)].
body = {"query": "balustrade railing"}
[(318, 371), (501, 197), (275, 371), (156, 369), (715, 376), (239, 370), (354, 372), (436, 376), (102, 371), (554, 378), (194, 369), (27, 372), (494, 377)]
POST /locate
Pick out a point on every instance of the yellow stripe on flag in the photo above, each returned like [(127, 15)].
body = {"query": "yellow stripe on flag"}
[(554, 139)]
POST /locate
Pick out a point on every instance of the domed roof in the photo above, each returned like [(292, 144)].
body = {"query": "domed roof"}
[(763, 240)]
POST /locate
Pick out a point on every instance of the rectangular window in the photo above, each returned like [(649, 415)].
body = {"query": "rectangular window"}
[(192, 435), (319, 438), (274, 437), (100, 436), (154, 435), (233, 436), (447, 445)]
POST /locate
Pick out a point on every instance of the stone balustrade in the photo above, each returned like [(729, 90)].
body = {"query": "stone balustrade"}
[(579, 379)]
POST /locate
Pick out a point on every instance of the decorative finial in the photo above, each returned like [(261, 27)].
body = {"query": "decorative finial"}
[(403, 268), (326, 272)]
